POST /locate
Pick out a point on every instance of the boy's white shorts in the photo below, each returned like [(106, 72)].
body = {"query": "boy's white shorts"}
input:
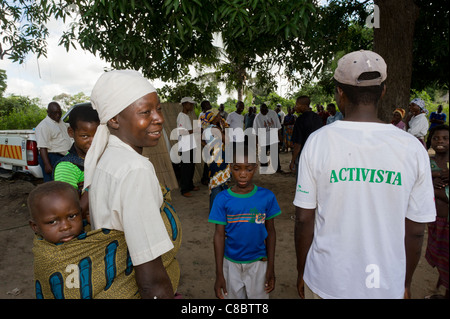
[(245, 281)]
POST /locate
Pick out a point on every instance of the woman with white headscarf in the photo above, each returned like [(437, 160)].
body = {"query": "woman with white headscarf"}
[(124, 192), (416, 122)]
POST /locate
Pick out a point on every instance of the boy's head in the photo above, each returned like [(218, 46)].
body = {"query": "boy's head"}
[(302, 104), (244, 165), (55, 212), (83, 122), (439, 136), (359, 79)]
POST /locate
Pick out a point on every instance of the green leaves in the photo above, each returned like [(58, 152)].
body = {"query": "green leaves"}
[(165, 37)]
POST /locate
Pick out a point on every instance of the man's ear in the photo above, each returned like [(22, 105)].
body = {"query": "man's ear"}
[(113, 123), (384, 91), (340, 92)]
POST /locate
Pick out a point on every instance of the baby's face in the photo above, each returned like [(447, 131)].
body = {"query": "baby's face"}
[(59, 218)]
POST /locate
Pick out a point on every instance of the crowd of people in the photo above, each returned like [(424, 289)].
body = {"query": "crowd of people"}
[(365, 191)]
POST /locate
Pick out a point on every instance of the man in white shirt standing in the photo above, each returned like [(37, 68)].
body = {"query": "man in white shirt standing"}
[(52, 139), (186, 145), (364, 194), (268, 129), (236, 121)]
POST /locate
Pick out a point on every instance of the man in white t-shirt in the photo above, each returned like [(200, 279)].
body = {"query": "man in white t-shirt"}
[(236, 121), (364, 194), (267, 120), (186, 145), (53, 140)]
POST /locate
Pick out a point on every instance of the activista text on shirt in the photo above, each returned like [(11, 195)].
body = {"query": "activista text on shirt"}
[(370, 175)]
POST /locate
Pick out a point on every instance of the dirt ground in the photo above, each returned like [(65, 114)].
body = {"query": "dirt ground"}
[(196, 255)]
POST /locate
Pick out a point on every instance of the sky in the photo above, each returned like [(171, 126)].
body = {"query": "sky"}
[(69, 72), (60, 72)]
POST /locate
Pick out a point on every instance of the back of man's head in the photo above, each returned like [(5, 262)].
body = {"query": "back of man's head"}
[(361, 75)]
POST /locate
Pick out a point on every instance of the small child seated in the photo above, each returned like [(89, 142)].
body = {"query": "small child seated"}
[(55, 212)]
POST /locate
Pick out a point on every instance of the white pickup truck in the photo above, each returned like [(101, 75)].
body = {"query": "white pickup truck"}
[(19, 152)]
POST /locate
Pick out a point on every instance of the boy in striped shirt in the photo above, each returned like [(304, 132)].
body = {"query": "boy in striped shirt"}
[(83, 121), (244, 240)]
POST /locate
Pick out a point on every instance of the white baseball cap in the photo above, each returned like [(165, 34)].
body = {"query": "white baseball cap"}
[(187, 99), (352, 65)]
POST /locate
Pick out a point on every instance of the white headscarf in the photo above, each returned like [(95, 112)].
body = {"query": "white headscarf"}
[(113, 92), (421, 104)]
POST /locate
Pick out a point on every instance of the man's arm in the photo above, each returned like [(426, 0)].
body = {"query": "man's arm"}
[(295, 152), (153, 281), (296, 140), (413, 247), (44, 155), (303, 234)]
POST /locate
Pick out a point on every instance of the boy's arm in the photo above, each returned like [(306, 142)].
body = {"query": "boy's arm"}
[(413, 247), (219, 248), (67, 172), (303, 234), (270, 246)]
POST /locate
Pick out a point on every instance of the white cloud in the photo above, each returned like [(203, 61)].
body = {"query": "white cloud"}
[(61, 72), (21, 87)]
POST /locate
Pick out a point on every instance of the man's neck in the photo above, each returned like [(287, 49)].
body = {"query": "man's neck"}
[(364, 113)]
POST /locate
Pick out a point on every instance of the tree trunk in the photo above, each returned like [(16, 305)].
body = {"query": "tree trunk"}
[(393, 40), (241, 81), (240, 94)]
